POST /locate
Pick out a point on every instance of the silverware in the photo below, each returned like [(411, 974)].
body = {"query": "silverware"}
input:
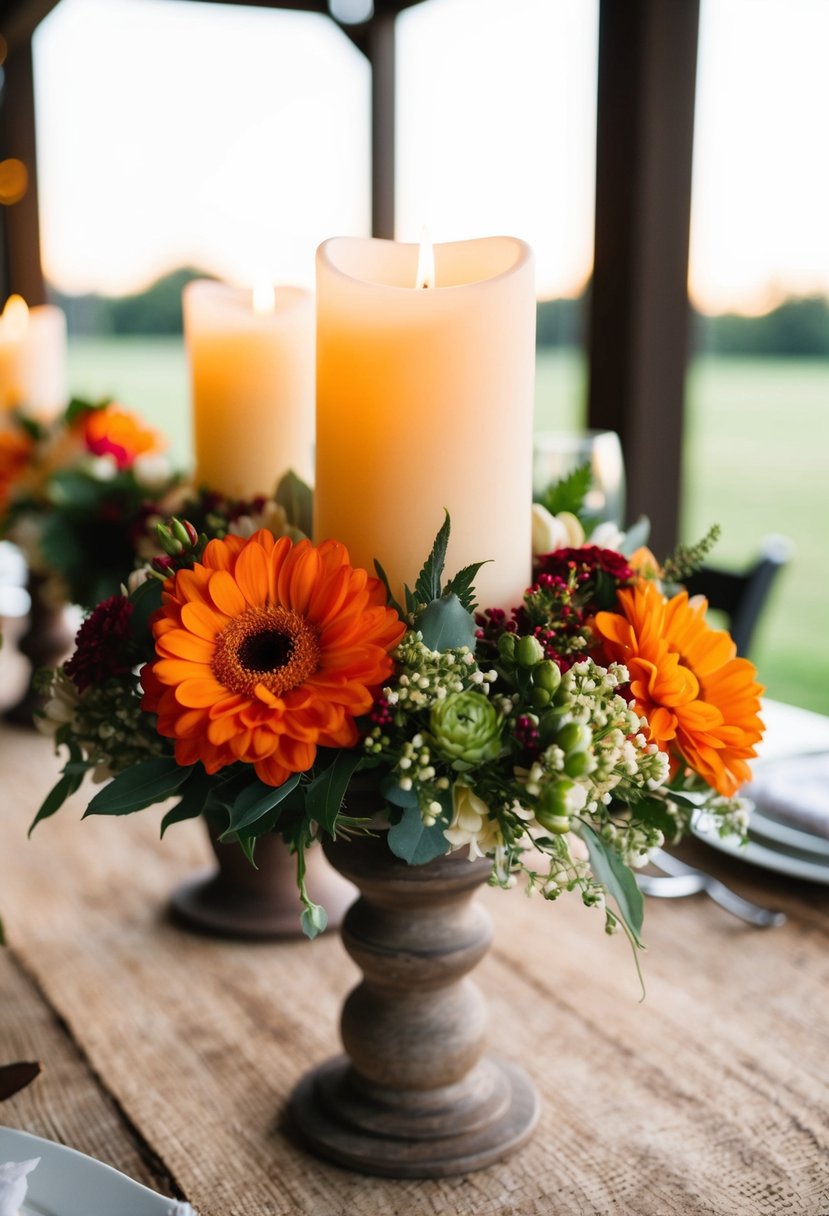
[(679, 879)]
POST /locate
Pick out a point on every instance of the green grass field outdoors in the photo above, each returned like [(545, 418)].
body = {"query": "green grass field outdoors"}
[(756, 462)]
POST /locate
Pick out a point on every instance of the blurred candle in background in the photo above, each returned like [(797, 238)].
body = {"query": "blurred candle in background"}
[(32, 358), (251, 359), (425, 401)]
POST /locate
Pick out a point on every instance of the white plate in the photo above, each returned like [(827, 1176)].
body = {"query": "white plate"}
[(775, 832), (67, 1183), (757, 854)]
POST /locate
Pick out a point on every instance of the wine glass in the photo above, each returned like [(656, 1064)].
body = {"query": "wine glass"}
[(558, 453)]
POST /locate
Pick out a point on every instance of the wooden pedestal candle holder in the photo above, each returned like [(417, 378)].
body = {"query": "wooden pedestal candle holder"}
[(262, 903), (414, 1097)]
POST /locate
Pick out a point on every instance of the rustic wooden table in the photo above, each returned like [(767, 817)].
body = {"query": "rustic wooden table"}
[(171, 1056)]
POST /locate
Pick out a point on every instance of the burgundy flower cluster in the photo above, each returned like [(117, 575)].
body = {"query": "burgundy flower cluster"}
[(104, 645)]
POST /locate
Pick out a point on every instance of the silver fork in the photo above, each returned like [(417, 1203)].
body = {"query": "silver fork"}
[(679, 879)]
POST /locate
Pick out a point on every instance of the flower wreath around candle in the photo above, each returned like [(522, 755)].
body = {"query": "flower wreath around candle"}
[(564, 738)]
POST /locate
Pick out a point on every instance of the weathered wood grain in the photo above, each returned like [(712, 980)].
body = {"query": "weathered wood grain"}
[(710, 1097)]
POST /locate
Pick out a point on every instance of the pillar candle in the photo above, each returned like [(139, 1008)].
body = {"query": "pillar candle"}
[(425, 402), (32, 358), (252, 387)]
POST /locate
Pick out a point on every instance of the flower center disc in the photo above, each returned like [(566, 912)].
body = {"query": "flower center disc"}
[(271, 646)]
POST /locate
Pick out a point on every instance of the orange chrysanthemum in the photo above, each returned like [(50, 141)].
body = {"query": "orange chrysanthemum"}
[(113, 431), (15, 452), (267, 650), (702, 703)]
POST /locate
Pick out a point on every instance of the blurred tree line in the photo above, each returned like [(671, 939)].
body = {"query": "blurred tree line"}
[(797, 327)]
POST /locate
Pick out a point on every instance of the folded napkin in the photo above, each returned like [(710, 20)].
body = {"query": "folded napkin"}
[(794, 790), (13, 1185)]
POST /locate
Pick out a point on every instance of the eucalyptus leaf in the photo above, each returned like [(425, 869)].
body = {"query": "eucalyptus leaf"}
[(619, 882), (142, 785), (636, 536), (446, 625), (392, 793), (255, 800), (296, 499), (414, 842), (324, 795)]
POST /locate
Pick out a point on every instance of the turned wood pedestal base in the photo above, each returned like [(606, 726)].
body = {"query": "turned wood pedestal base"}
[(405, 1134), (414, 1097)]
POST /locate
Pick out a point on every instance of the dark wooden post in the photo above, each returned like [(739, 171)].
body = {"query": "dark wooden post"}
[(381, 53), (639, 313), (21, 236)]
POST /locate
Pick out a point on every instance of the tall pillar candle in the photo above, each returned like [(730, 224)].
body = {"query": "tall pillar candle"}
[(252, 387), (32, 358), (425, 402)]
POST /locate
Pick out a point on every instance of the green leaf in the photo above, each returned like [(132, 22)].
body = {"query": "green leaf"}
[(463, 586), (145, 600), (384, 579), (324, 796), (73, 774), (255, 801), (569, 493), (618, 881), (446, 625), (414, 842), (296, 499), (194, 794), (142, 785), (427, 587), (77, 407)]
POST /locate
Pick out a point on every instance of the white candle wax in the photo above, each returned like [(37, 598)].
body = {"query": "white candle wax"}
[(425, 402), (252, 382), (32, 358)]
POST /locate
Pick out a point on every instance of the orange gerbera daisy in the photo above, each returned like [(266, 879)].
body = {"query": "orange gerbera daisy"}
[(113, 431), (267, 650), (702, 703)]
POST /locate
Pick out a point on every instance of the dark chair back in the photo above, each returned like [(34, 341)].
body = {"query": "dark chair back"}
[(742, 596)]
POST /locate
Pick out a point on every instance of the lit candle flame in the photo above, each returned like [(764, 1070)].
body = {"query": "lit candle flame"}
[(16, 316), (425, 262), (264, 299)]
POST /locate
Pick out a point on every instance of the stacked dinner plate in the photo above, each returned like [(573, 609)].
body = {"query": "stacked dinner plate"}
[(788, 827)]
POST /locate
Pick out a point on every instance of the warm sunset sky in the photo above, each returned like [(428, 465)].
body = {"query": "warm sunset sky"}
[(237, 139)]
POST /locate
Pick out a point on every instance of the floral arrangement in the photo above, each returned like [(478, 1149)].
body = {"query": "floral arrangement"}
[(252, 678), (75, 494)]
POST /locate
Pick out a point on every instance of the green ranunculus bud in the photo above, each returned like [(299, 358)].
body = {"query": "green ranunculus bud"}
[(539, 698), (466, 729), (553, 809), (574, 737), (528, 651), (578, 764), (506, 647), (550, 724), (547, 675)]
